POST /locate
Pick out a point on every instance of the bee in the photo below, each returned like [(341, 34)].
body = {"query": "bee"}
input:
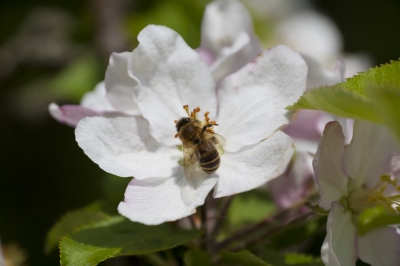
[(199, 143)]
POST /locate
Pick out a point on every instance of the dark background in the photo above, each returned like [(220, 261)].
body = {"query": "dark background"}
[(43, 173)]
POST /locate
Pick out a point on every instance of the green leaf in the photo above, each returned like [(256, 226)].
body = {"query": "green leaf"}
[(197, 258), (379, 77), (242, 258), (71, 222), (337, 101), (350, 98), (387, 106), (374, 218), (286, 259), (93, 245)]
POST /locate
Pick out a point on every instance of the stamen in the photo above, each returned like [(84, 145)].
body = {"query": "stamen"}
[(175, 121), (363, 199), (176, 135), (186, 107)]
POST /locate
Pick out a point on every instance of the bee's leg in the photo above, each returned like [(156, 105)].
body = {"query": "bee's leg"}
[(205, 128)]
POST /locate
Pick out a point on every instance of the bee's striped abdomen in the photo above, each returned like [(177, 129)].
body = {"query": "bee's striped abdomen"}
[(209, 158)]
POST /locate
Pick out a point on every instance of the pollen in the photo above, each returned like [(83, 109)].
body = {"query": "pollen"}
[(194, 114)]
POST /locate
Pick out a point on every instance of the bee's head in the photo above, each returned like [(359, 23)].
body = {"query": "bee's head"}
[(182, 121)]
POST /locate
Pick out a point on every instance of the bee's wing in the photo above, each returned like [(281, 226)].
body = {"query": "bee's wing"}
[(216, 139), (191, 157)]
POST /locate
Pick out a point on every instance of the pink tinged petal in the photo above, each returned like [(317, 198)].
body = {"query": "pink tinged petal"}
[(170, 75), (206, 55), (306, 124), (71, 114), (369, 154), (96, 99), (245, 49), (124, 147), (329, 175), (156, 200), (253, 100), (119, 85), (295, 184), (380, 247), (223, 22), (253, 166), (339, 247), (340, 70), (395, 164)]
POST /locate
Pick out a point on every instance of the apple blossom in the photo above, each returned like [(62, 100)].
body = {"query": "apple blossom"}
[(164, 74), (227, 39), (351, 179)]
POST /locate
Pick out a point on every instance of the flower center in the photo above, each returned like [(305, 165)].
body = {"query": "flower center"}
[(362, 199), (207, 125)]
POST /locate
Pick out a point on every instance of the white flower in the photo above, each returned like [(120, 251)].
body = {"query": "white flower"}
[(163, 74), (351, 179), (228, 42)]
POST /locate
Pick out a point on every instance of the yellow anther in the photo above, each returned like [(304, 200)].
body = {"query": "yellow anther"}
[(385, 178), (197, 109)]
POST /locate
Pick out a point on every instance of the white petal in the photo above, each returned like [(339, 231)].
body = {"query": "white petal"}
[(253, 166), (329, 173), (317, 75), (339, 247), (356, 63), (369, 153), (119, 85), (311, 33), (124, 147), (96, 99), (223, 22), (156, 200), (253, 100), (380, 247), (170, 75), (244, 50), (71, 114)]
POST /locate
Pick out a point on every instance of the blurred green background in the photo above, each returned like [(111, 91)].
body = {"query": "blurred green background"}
[(55, 51)]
